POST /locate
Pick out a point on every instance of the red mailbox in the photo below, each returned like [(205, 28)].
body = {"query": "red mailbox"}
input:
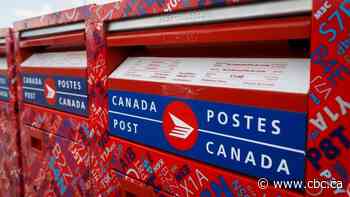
[(269, 30), (59, 58), (10, 170), (84, 133)]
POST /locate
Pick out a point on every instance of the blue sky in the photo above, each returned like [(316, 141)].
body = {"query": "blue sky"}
[(13, 10)]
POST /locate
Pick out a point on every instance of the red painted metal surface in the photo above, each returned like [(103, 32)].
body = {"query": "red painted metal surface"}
[(10, 170), (328, 145), (171, 174), (59, 18), (140, 8), (77, 72), (61, 168), (61, 40), (53, 165), (288, 102), (128, 158), (240, 31), (62, 124), (126, 186), (10, 161)]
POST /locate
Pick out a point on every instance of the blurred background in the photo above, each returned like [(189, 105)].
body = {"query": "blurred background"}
[(14, 10)]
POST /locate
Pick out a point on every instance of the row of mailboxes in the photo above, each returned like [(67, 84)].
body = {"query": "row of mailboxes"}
[(137, 99)]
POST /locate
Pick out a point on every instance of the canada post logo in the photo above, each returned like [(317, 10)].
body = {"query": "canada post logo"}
[(180, 126), (67, 94), (255, 141), (50, 91)]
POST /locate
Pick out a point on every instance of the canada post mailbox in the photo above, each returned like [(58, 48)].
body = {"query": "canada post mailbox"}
[(245, 115), (56, 55), (264, 29), (231, 121)]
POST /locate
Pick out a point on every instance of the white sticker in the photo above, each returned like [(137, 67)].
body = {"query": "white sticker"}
[(3, 63), (280, 75), (71, 59)]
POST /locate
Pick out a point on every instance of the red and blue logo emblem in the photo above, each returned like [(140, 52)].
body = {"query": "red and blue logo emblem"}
[(50, 91), (180, 126)]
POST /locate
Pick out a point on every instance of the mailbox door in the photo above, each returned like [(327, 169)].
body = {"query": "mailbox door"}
[(53, 165)]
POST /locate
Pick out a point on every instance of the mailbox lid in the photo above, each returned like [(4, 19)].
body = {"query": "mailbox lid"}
[(258, 81), (263, 74), (62, 60), (56, 80), (226, 12)]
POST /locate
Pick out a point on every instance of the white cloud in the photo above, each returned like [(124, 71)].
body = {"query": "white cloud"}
[(21, 13), (100, 1)]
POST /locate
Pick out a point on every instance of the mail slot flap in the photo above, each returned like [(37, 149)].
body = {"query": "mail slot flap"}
[(3, 63), (53, 30), (70, 59), (228, 13), (276, 75)]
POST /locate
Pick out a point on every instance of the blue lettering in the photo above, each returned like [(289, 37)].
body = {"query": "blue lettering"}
[(205, 193), (337, 74), (343, 8), (336, 14), (328, 31), (235, 185), (339, 19), (60, 183), (57, 175), (319, 57), (343, 46), (221, 189), (147, 167), (315, 99), (52, 162)]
